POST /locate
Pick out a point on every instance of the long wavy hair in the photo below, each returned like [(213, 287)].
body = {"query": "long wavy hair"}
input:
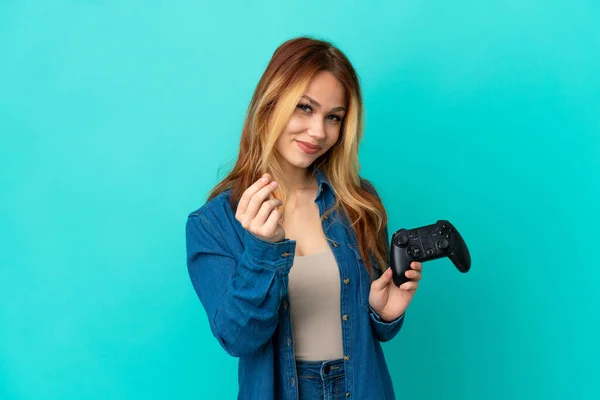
[(287, 76)]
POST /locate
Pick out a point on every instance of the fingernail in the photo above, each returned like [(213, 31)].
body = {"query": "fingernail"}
[(263, 179)]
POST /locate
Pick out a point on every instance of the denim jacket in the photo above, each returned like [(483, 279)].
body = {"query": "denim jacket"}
[(242, 283)]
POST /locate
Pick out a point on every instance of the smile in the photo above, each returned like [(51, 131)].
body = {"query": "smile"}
[(307, 147)]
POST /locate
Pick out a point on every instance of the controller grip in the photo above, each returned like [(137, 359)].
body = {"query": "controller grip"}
[(399, 264)]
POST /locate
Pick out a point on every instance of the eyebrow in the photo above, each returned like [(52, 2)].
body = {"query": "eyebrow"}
[(316, 104)]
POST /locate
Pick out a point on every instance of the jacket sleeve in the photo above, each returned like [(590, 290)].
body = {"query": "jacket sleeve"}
[(241, 295), (383, 330)]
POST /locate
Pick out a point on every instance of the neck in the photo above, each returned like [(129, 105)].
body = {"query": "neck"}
[(298, 179)]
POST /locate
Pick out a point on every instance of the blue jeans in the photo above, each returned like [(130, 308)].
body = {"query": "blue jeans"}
[(321, 380)]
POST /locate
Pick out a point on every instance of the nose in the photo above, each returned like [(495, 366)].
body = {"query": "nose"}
[(316, 129)]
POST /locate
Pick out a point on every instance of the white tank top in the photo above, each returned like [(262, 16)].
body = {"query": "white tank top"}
[(314, 294)]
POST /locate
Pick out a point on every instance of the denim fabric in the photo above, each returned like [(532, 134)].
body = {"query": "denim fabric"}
[(321, 380), (242, 283)]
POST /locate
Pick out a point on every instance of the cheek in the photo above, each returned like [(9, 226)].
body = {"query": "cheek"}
[(295, 125), (333, 135)]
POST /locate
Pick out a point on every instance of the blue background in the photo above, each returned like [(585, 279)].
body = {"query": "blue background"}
[(117, 117)]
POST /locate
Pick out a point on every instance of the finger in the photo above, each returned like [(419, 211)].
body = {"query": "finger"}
[(265, 211), (272, 223), (410, 285), (383, 281), (413, 275), (417, 266), (248, 193), (258, 199)]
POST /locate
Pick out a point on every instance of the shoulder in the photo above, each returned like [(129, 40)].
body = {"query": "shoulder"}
[(213, 225), (215, 214), (216, 205)]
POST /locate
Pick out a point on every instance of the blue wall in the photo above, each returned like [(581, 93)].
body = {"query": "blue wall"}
[(116, 118)]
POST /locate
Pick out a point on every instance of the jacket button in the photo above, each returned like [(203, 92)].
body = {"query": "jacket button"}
[(347, 281), (286, 254), (347, 394), (345, 317), (335, 244), (346, 357)]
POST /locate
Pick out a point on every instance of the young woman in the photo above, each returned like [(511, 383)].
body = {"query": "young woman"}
[(289, 254)]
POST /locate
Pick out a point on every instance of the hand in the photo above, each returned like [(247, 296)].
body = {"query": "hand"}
[(258, 213), (390, 301)]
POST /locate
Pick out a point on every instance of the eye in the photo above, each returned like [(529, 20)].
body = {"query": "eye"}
[(335, 118), (304, 107)]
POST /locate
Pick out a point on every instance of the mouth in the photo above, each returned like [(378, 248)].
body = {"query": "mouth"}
[(307, 147)]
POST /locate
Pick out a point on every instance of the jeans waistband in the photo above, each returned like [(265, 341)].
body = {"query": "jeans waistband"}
[(323, 369)]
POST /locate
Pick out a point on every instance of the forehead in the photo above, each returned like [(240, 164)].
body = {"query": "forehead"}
[(327, 90)]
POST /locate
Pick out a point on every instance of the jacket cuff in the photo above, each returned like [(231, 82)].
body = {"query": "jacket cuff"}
[(376, 318), (278, 255)]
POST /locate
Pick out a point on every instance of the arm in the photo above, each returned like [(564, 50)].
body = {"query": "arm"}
[(242, 298), (383, 330)]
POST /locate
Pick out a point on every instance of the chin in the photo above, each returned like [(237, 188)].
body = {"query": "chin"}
[(300, 161)]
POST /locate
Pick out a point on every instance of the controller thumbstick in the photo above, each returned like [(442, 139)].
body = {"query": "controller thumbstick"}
[(444, 244), (401, 240)]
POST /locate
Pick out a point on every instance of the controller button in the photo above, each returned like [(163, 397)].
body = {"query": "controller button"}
[(444, 244), (429, 251)]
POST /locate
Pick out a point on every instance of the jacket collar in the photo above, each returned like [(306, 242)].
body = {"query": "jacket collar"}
[(322, 181)]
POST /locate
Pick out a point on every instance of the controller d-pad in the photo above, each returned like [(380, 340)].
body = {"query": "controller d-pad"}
[(414, 251)]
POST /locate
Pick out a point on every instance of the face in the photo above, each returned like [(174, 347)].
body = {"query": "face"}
[(315, 125)]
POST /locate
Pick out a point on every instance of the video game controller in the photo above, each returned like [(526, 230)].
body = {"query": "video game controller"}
[(427, 243)]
